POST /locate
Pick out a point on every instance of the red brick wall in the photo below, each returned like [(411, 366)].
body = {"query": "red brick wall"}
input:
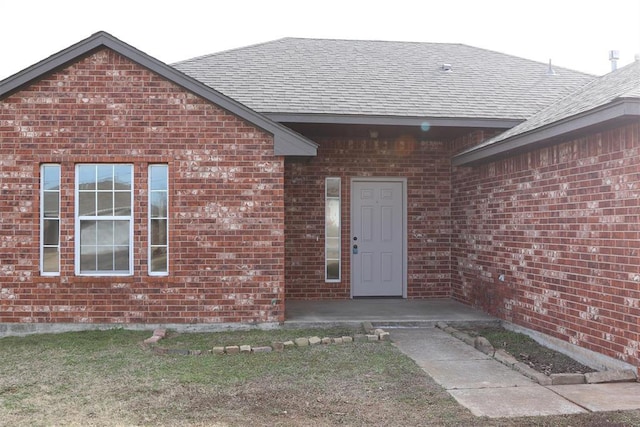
[(472, 139), (226, 200), (426, 166), (562, 224)]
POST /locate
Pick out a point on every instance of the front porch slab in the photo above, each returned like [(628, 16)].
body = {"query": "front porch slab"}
[(384, 312)]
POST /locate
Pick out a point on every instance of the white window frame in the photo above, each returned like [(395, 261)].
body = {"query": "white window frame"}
[(78, 219), (43, 191), (151, 218), (327, 237)]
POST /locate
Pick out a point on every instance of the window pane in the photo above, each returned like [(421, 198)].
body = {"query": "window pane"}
[(158, 232), (121, 258), (104, 246), (87, 177), (333, 218), (122, 205), (87, 204), (121, 232), (105, 204), (122, 177), (51, 204), (333, 269), (158, 177), (51, 177), (159, 260), (333, 248), (158, 206), (87, 258), (105, 232), (88, 233), (333, 187), (105, 258), (50, 262), (50, 232), (105, 177)]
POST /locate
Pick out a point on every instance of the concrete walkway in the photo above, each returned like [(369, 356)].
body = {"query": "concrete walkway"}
[(488, 388), (477, 381)]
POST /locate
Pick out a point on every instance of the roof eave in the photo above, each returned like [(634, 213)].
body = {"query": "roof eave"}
[(616, 110), (286, 141), (352, 119)]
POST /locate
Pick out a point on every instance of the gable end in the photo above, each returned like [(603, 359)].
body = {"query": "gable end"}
[(286, 141)]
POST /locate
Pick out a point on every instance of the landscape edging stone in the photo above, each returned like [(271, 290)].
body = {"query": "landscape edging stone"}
[(507, 359), (372, 335)]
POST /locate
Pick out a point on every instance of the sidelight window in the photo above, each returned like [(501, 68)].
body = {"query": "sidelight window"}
[(332, 230), (50, 220), (158, 220)]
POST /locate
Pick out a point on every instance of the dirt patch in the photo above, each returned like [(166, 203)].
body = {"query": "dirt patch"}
[(528, 351)]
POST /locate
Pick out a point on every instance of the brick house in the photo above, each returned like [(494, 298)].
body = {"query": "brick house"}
[(213, 190)]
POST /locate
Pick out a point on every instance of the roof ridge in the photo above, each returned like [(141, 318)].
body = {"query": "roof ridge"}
[(233, 49), (555, 67), (366, 40), (250, 46), (321, 39)]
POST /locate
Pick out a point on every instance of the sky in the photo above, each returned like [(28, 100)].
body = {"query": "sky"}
[(576, 34)]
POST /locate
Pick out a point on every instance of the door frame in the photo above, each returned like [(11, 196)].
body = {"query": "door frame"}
[(403, 181)]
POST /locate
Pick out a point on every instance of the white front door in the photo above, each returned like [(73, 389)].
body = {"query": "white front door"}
[(377, 238)]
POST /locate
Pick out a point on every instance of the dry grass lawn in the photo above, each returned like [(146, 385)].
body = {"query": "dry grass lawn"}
[(109, 378)]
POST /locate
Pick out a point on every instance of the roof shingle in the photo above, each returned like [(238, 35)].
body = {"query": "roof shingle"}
[(379, 78), (621, 84)]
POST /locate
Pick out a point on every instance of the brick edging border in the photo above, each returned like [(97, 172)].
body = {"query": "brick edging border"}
[(371, 335), (502, 356)]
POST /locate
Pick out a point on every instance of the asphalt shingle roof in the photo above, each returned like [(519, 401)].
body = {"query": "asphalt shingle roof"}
[(378, 78), (617, 85)]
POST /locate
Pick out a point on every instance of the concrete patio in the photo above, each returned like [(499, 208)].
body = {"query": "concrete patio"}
[(383, 312)]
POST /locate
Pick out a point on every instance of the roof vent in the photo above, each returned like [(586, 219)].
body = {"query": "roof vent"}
[(446, 67), (614, 55), (550, 70)]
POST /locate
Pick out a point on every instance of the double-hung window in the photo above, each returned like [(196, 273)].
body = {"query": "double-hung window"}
[(104, 219)]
